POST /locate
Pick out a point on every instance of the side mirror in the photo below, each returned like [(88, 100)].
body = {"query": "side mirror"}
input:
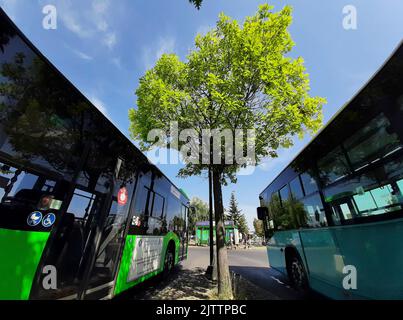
[(192, 210), (262, 213)]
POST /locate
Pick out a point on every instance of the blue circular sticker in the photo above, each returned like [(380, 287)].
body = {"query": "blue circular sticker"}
[(34, 219), (49, 220)]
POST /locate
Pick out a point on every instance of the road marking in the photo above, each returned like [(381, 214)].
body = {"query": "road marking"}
[(280, 282)]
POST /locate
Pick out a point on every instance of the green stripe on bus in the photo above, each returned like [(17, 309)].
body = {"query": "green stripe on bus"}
[(20, 253)]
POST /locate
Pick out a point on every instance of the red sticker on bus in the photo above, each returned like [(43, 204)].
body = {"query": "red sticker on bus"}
[(122, 196)]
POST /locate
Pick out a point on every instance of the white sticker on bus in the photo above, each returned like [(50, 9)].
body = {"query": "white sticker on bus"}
[(146, 257)]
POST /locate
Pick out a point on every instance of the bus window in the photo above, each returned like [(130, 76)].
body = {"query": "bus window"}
[(296, 189), (15, 180), (371, 142), (22, 193), (274, 205), (174, 215), (141, 204), (371, 193), (400, 185), (315, 213), (141, 222), (280, 212), (309, 183), (365, 201), (158, 206), (345, 209), (333, 166), (284, 194), (50, 140), (155, 210), (81, 204)]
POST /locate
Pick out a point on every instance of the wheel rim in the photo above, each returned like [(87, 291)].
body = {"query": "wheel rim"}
[(298, 274)]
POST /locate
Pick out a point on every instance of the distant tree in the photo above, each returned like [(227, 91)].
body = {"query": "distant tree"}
[(201, 213), (258, 225), (243, 225), (197, 3), (235, 214)]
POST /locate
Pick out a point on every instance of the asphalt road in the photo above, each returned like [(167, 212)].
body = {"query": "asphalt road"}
[(253, 265)]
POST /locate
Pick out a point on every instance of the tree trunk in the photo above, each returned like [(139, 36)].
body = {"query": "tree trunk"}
[(211, 232), (223, 275), (211, 272)]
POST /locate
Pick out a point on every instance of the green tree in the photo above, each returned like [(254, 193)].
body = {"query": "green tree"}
[(243, 225), (201, 213), (237, 77), (258, 226), (236, 215), (233, 212)]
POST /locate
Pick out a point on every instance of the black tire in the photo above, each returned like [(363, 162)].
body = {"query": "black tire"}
[(169, 262), (297, 274)]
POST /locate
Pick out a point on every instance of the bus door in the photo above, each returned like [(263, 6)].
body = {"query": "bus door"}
[(109, 245), (185, 233), (78, 234), (323, 257), (72, 243)]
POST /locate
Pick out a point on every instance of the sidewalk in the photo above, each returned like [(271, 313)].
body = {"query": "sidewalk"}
[(192, 284)]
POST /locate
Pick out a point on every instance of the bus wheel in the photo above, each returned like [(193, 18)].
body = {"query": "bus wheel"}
[(297, 274), (169, 262)]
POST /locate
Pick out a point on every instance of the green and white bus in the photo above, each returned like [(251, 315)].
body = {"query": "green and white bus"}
[(83, 213), (334, 216)]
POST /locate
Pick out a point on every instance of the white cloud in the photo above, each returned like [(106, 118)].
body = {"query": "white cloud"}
[(203, 29), (69, 15), (153, 53), (82, 55), (100, 6), (110, 40), (269, 164), (166, 45), (87, 21), (117, 62), (285, 156)]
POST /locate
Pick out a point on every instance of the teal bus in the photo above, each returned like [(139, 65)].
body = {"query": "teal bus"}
[(333, 217), (83, 213)]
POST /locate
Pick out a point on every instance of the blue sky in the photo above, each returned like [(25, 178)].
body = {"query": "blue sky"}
[(105, 46)]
